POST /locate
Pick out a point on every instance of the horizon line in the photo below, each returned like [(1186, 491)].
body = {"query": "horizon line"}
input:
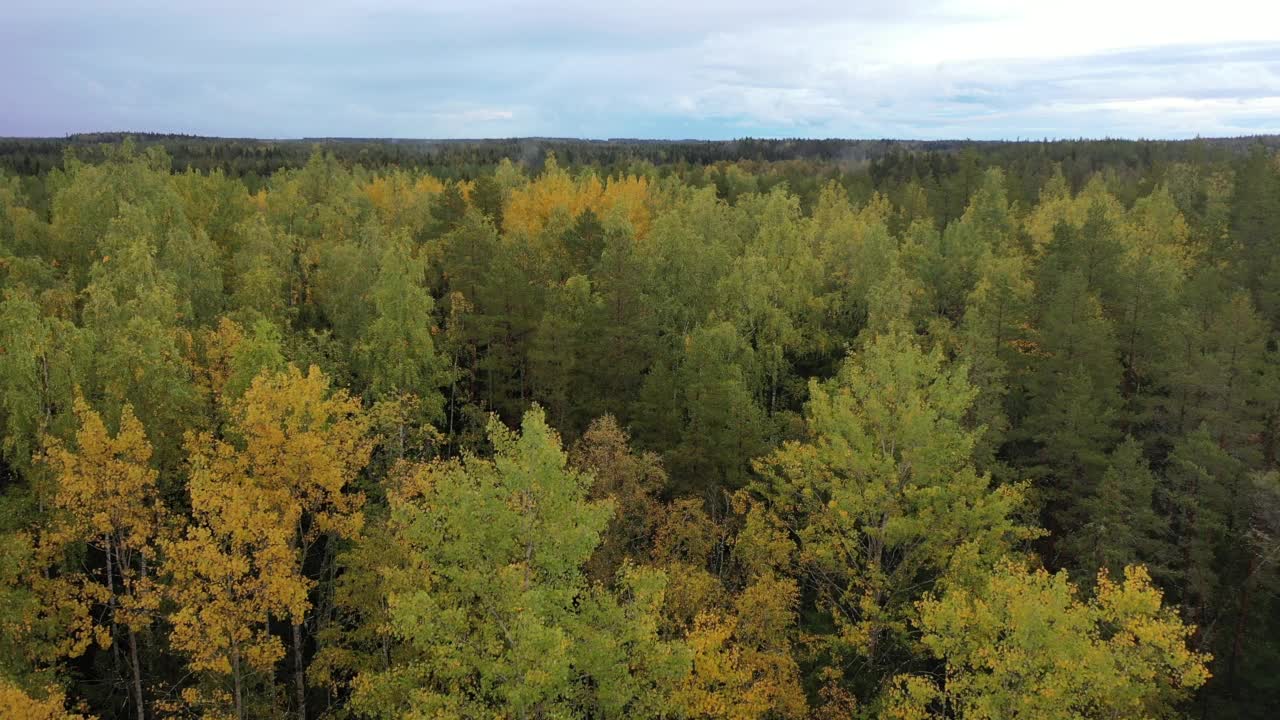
[(634, 139)]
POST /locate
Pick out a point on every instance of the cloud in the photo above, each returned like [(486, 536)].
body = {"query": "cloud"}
[(673, 68), (483, 115)]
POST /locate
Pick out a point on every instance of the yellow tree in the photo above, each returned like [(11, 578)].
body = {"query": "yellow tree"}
[(630, 195), (105, 496), (530, 207), (227, 578), (1024, 645), (264, 497), (743, 664), (21, 705), (401, 201)]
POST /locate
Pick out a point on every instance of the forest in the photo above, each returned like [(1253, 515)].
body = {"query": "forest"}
[(553, 429)]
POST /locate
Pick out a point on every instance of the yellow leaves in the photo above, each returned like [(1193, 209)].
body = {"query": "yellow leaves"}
[(910, 697), (20, 705), (106, 488), (763, 545), (105, 495), (629, 195), (742, 662), (205, 703), (1025, 646), (734, 676), (302, 445), (428, 185), (260, 498), (402, 201), (68, 601), (1146, 628), (377, 192), (393, 193), (219, 345), (225, 593), (530, 207)]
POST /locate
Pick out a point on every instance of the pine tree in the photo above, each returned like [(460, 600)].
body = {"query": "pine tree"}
[(883, 495)]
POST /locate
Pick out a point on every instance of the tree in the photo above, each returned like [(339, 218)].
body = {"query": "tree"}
[(259, 285), (721, 426), (561, 353), (1213, 367), (1203, 483), (883, 495), (339, 283), (49, 705), (496, 606), (1024, 645), (195, 264), (743, 626), (769, 294), (263, 501), (1122, 526), (631, 482), (397, 350), (131, 313), (227, 577), (256, 353), (624, 337), (1153, 270), (857, 255), (40, 363), (1073, 399), (355, 636), (1255, 207), (94, 197), (991, 336), (106, 497), (951, 262)]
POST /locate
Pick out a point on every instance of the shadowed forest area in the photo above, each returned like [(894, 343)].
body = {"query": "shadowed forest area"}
[(542, 428)]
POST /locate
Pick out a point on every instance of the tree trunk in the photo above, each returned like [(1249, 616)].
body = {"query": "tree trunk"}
[(299, 672), (235, 678), (137, 674), (111, 605)]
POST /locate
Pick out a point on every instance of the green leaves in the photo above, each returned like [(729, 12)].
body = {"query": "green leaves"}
[(883, 495), (498, 611), (397, 352)]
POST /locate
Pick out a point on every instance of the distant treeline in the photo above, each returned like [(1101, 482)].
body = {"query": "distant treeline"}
[(466, 159)]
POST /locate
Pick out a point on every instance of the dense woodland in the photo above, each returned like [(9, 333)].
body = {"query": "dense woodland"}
[(627, 430)]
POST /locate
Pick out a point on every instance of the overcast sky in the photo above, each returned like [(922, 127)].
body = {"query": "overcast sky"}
[(642, 68)]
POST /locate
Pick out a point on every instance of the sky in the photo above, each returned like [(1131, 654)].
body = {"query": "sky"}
[(926, 69)]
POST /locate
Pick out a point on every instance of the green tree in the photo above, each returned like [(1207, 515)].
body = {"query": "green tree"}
[(131, 312), (397, 350), (884, 498), (496, 606), (40, 365), (1122, 526)]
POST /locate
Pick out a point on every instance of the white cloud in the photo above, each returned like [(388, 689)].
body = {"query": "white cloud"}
[(923, 68), (479, 115)]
